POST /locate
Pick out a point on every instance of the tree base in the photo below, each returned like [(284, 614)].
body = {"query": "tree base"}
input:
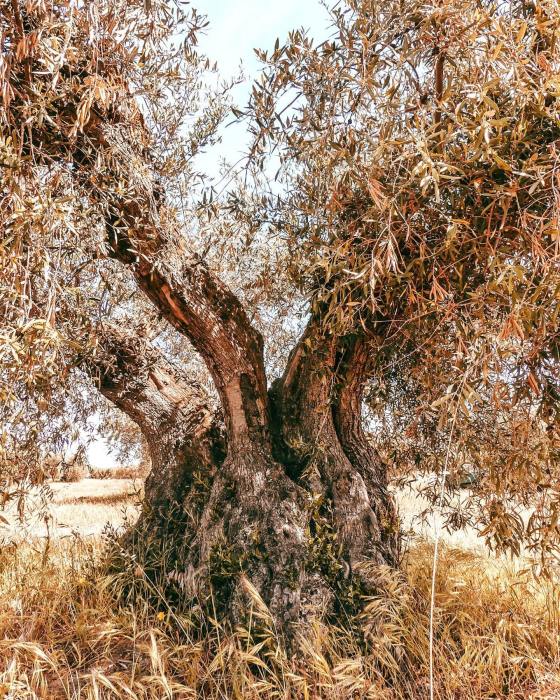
[(225, 560)]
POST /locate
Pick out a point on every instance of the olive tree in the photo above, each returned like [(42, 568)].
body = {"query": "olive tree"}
[(416, 217)]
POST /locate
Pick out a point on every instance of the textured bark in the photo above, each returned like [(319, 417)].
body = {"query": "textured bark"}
[(258, 529), (353, 371), (198, 305), (320, 414), (183, 434), (324, 452)]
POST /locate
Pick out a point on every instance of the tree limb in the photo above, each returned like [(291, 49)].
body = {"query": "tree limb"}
[(173, 413)]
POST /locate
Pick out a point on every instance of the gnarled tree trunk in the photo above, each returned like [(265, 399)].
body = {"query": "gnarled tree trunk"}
[(321, 508), (319, 401), (184, 436), (297, 468)]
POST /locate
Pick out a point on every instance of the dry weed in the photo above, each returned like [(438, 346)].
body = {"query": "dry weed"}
[(66, 636)]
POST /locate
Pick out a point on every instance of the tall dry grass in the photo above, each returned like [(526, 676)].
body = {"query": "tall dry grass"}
[(67, 631)]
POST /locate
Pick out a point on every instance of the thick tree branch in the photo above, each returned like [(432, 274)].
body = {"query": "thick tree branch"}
[(173, 413), (354, 366), (143, 233), (195, 302), (353, 371), (306, 398)]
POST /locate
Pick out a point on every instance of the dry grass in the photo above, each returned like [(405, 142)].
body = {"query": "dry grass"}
[(67, 631), (139, 471), (66, 635), (110, 499), (88, 505), (85, 507)]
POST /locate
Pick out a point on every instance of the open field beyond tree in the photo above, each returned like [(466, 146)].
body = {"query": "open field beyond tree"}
[(67, 631)]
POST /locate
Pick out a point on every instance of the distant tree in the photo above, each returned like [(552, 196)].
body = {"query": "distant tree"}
[(413, 227)]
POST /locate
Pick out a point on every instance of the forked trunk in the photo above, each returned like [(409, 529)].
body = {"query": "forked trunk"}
[(297, 502), (300, 518)]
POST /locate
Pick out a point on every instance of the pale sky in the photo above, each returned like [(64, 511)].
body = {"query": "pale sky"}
[(239, 26), (236, 28)]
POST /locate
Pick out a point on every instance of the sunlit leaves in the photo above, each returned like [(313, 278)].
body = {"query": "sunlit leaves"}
[(86, 90)]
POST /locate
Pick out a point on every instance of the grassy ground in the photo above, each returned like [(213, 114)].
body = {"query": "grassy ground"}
[(84, 507), (66, 632)]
